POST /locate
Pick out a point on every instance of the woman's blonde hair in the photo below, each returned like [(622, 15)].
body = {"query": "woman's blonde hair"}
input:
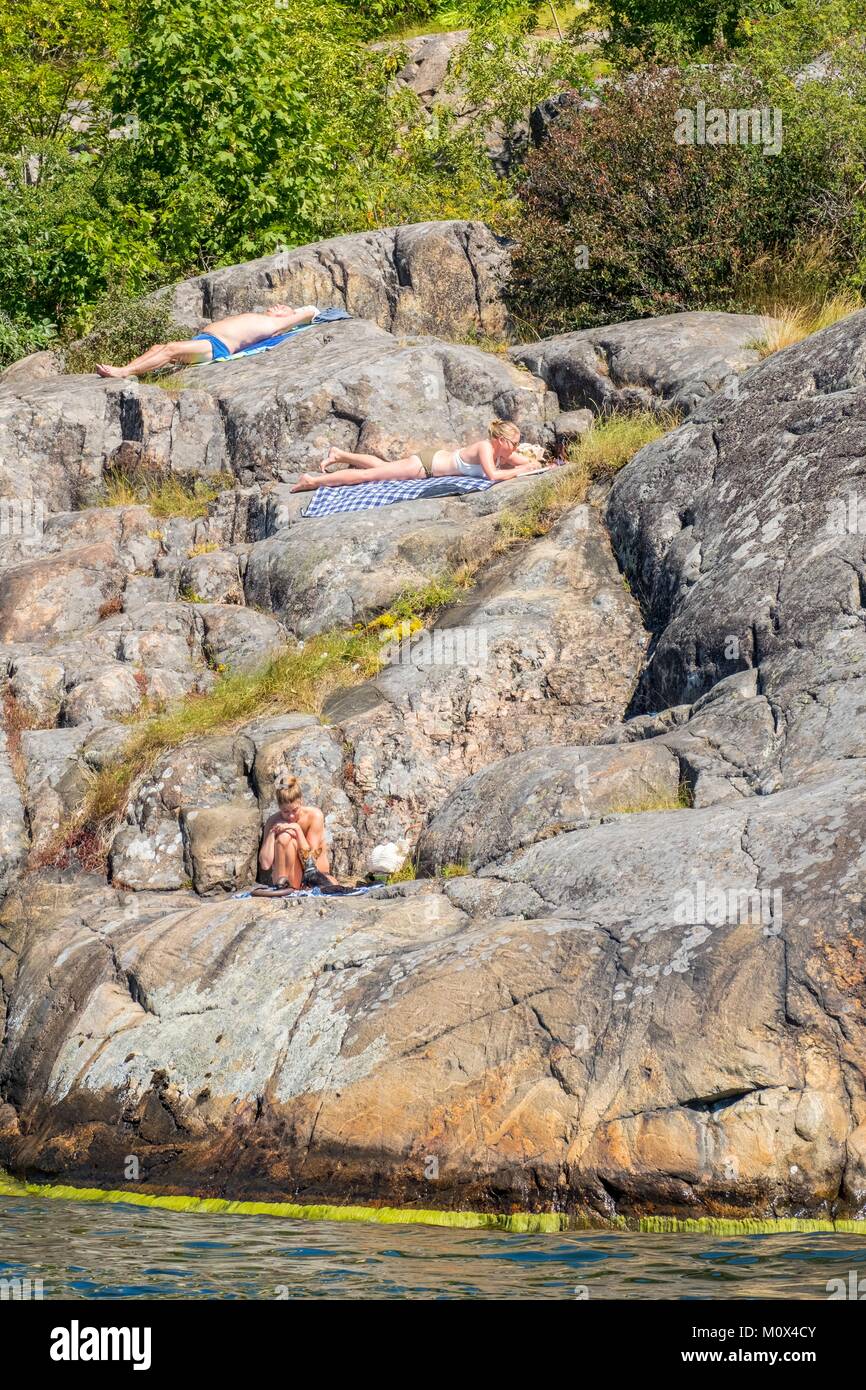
[(504, 429), (288, 790)]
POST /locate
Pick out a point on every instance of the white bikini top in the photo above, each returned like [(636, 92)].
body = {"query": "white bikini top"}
[(469, 470)]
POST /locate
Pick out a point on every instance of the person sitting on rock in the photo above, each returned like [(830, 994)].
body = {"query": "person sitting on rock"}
[(494, 457), (293, 841), (223, 338)]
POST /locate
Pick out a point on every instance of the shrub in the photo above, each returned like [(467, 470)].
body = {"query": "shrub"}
[(19, 337), (670, 226), (119, 327)]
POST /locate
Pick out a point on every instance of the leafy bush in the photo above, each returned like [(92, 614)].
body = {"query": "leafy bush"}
[(121, 326), (19, 337), (665, 29), (669, 226)]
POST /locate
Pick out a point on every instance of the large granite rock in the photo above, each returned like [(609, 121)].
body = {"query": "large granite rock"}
[(544, 650), (559, 1031), (615, 1008), (740, 532), (445, 278), (548, 647), (262, 418), (670, 362)]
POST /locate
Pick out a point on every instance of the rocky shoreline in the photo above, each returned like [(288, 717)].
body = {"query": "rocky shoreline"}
[(642, 994)]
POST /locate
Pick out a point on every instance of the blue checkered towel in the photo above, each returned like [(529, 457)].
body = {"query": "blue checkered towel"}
[(358, 497)]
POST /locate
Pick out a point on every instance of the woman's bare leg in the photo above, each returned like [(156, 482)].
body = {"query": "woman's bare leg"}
[(161, 355), (408, 469), (350, 460), (287, 861)]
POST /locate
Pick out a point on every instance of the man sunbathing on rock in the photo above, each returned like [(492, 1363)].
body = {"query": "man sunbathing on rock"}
[(293, 842), (494, 457), (224, 337)]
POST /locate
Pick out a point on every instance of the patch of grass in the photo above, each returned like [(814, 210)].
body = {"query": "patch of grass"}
[(164, 493), (794, 322), (300, 678), (563, 489), (615, 440), (190, 596), (655, 799), (600, 453), (454, 870), (424, 603), (407, 873), (485, 342), (205, 548), (16, 721)]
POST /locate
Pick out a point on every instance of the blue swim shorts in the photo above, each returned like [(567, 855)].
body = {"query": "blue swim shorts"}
[(219, 348)]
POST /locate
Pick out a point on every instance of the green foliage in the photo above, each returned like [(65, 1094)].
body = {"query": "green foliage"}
[(54, 53), (18, 337), (248, 116), (502, 77), (671, 226), (665, 29), (120, 326)]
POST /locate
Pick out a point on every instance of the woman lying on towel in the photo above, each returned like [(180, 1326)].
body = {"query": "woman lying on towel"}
[(494, 457)]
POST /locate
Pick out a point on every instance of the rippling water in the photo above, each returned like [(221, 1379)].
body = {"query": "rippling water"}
[(96, 1251)]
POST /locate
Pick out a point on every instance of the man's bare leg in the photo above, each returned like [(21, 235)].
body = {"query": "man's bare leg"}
[(161, 355)]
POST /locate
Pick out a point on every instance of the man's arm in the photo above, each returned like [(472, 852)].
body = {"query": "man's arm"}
[(305, 314)]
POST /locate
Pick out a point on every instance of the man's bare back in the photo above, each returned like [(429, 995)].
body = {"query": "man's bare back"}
[(242, 330)]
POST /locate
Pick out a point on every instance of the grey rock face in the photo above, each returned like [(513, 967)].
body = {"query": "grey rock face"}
[(615, 1008), (603, 1050), (674, 361), (740, 533), (535, 795), (14, 839), (433, 277), (265, 418)]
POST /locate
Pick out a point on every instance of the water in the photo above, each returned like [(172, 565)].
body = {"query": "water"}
[(85, 1251)]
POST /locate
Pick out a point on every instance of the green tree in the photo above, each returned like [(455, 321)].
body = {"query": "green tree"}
[(247, 116), (54, 59)]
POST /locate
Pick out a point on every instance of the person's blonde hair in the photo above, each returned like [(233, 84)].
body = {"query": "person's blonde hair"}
[(504, 429), (288, 791)]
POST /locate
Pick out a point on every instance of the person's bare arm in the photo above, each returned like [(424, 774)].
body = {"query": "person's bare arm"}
[(266, 853), (500, 475), (316, 844), (302, 315)]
